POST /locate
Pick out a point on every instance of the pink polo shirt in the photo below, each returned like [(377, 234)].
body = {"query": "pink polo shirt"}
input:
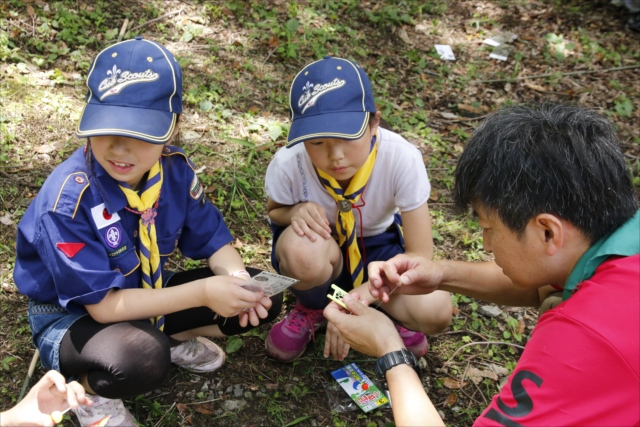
[(581, 366)]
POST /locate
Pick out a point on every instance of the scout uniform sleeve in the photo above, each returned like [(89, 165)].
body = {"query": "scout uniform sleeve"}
[(204, 230), (77, 262)]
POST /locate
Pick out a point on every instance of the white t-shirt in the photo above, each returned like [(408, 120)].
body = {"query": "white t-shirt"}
[(398, 182)]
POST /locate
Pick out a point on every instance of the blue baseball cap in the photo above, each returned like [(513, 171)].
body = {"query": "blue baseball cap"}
[(329, 98), (135, 90)]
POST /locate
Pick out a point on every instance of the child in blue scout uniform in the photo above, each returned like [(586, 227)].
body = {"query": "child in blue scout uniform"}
[(91, 247), (342, 193)]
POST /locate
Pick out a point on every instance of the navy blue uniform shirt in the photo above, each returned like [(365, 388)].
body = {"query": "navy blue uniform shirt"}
[(76, 241)]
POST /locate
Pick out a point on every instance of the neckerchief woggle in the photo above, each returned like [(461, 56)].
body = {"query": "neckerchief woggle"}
[(625, 241), (145, 206), (345, 220)]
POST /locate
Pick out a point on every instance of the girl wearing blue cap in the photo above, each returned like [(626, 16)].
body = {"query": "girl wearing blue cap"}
[(92, 245), (343, 193)]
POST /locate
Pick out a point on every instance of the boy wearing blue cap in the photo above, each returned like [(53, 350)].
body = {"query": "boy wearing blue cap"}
[(92, 245), (343, 193)]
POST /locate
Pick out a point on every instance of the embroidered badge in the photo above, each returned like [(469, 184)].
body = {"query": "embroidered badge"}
[(102, 217), (119, 79), (311, 92), (113, 236), (70, 249), (196, 188), (117, 252)]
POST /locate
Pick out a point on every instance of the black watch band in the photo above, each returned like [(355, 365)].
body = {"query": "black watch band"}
[(392, 359)]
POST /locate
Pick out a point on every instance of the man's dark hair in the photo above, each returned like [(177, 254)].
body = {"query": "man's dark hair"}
[(559, 159)]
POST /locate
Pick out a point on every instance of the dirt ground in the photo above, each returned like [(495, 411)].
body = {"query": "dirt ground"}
[(236, 81)]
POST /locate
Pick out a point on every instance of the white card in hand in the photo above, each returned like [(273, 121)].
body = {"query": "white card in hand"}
[(271, 283)]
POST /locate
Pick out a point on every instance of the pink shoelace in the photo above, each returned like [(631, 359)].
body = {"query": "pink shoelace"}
[(299, 318)]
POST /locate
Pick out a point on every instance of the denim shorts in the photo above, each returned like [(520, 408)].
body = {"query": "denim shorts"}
[(49, 323)]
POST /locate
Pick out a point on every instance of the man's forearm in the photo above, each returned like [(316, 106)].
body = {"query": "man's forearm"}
[(485, 281)]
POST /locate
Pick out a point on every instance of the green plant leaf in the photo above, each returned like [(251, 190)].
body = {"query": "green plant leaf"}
[(297, 421), (292, 25), (623, 107), (233, 344), (206, 105), (241, 141), (275, 131)]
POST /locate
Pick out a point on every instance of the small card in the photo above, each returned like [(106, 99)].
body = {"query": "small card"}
[(361, 389), (501, 52), (498, 39), (337, 296), (445, 52), (270, 283)]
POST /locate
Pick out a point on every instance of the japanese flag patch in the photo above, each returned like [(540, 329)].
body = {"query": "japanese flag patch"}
[(102, 217)]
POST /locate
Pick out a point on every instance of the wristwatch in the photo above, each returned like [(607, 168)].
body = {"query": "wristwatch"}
[(392, 359)]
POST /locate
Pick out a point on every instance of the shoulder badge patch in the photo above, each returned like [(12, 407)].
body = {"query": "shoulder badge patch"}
[(196, 190)]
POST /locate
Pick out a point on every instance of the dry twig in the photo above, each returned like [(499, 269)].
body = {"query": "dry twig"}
[(481, 342), (570, 73), (159, 18)]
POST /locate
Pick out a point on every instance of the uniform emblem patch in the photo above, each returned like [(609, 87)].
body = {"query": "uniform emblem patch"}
[(70, 249), (196, 190), (113, 236), (102, 217)]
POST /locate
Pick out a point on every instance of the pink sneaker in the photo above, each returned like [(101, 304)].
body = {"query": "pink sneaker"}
[(289, 337), (416, 342)]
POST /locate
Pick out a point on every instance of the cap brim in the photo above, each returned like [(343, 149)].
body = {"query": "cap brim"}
[(152, 126), (344, 125)]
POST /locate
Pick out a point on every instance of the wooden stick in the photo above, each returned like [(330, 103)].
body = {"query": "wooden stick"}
[(156, 19), (123, 29), (571, 73), (32, 368), (482, 342)]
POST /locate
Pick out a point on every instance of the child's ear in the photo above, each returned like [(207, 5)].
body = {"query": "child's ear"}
[(374, 121), (175, 129)]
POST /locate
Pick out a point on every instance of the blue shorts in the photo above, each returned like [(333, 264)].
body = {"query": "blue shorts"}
[(381, 247), (50, 322)]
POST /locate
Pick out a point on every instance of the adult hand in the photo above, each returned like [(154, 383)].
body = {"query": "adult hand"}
[(310, 219), (366, 329), (46, 396), (334, 345), (404, 274)]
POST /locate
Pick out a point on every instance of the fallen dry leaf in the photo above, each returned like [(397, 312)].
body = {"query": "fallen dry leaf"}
[(451, 399), (453, 384), (43, 149), (535, 87)]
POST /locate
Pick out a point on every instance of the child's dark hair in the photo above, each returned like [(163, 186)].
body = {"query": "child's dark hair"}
[(559, 159)]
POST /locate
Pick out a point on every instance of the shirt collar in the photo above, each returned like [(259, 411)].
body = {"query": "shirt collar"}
[(623, 242), (113, 197)]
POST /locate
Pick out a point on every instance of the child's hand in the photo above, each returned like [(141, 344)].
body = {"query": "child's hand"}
[(48, 395), (310, 220), (225, 296), (253, 315)]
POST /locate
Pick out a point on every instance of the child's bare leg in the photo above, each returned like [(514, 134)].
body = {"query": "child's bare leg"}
[(429, 313), (313, 263)]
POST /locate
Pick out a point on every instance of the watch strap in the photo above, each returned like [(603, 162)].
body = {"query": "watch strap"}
[(392, 359)]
